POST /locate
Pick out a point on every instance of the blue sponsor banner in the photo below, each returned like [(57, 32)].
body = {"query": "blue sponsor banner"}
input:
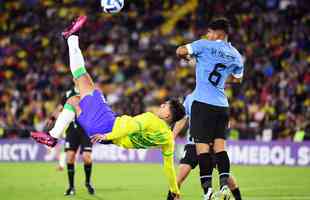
[(240, 152)]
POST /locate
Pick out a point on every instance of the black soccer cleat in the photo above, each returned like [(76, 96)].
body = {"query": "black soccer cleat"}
[(70, 192), (90, 189)]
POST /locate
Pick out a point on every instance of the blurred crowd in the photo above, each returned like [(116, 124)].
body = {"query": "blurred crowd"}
[(131, 55)]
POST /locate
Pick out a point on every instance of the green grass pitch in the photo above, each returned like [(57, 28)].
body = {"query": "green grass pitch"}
[(40, 181)]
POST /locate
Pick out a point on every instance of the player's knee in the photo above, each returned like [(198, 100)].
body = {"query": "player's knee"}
[(219, 145), (70, 157), (87, 157), (202, 148), (74, 101), (232, 184)]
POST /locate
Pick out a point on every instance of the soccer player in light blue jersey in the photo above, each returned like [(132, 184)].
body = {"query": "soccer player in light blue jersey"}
[(189, 161), (216, 62)]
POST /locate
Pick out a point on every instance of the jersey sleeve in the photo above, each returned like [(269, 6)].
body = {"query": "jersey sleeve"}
[(187, 106), (195, 48), (168, 162), (238, 69)]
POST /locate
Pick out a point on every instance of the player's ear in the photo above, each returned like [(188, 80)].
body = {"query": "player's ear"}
[(169, 116)]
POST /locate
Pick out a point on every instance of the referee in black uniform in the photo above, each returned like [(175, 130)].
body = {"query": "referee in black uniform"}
[(76, 139)]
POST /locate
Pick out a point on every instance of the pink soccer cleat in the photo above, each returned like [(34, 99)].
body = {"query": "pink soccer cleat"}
[(74, 27), (44, 138)]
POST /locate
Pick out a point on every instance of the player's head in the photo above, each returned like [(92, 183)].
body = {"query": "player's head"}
[(171, 111), (218, 29)]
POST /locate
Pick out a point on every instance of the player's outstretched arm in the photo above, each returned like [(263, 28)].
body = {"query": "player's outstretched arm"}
[(171, 175), (180, 126), (167, 152)]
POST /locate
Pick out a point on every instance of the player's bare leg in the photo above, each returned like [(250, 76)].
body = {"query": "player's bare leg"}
[(234, 188), (219, 145), (67, 115), (184, 171), (83, 80), (70, 110), (232, 184), (202, 148)]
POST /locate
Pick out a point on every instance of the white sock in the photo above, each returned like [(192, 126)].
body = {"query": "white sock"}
[(77, 63), (63, 120)]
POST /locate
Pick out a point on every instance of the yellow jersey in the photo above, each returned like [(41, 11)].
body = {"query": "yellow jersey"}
[(147, 131)]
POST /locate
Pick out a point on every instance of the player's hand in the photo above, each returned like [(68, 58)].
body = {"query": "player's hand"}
[(97, 138), (192, 62), (177, 197)]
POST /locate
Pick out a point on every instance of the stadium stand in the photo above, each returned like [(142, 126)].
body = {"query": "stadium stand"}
[(132, 56)]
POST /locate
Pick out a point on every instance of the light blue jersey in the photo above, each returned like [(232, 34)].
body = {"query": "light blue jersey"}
[(188, 105), (215, 62)]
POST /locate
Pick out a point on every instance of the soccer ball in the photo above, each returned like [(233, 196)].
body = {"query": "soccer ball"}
[(112, 6)]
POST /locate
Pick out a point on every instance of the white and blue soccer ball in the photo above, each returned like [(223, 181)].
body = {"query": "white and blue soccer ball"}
[(112, 6)]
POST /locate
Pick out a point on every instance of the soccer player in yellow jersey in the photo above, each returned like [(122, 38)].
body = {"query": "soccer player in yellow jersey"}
[(145, 131), (95, 116)]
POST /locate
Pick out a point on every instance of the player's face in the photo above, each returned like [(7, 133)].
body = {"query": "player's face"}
[(213, 34), (164, 110)]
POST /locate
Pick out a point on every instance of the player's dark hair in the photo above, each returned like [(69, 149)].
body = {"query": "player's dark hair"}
[(177, 110), (220, 24)]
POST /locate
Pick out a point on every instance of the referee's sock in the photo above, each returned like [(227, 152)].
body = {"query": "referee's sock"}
[(236, 193), (223, 165), (87, 170), (70, 168), (206, 168)]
